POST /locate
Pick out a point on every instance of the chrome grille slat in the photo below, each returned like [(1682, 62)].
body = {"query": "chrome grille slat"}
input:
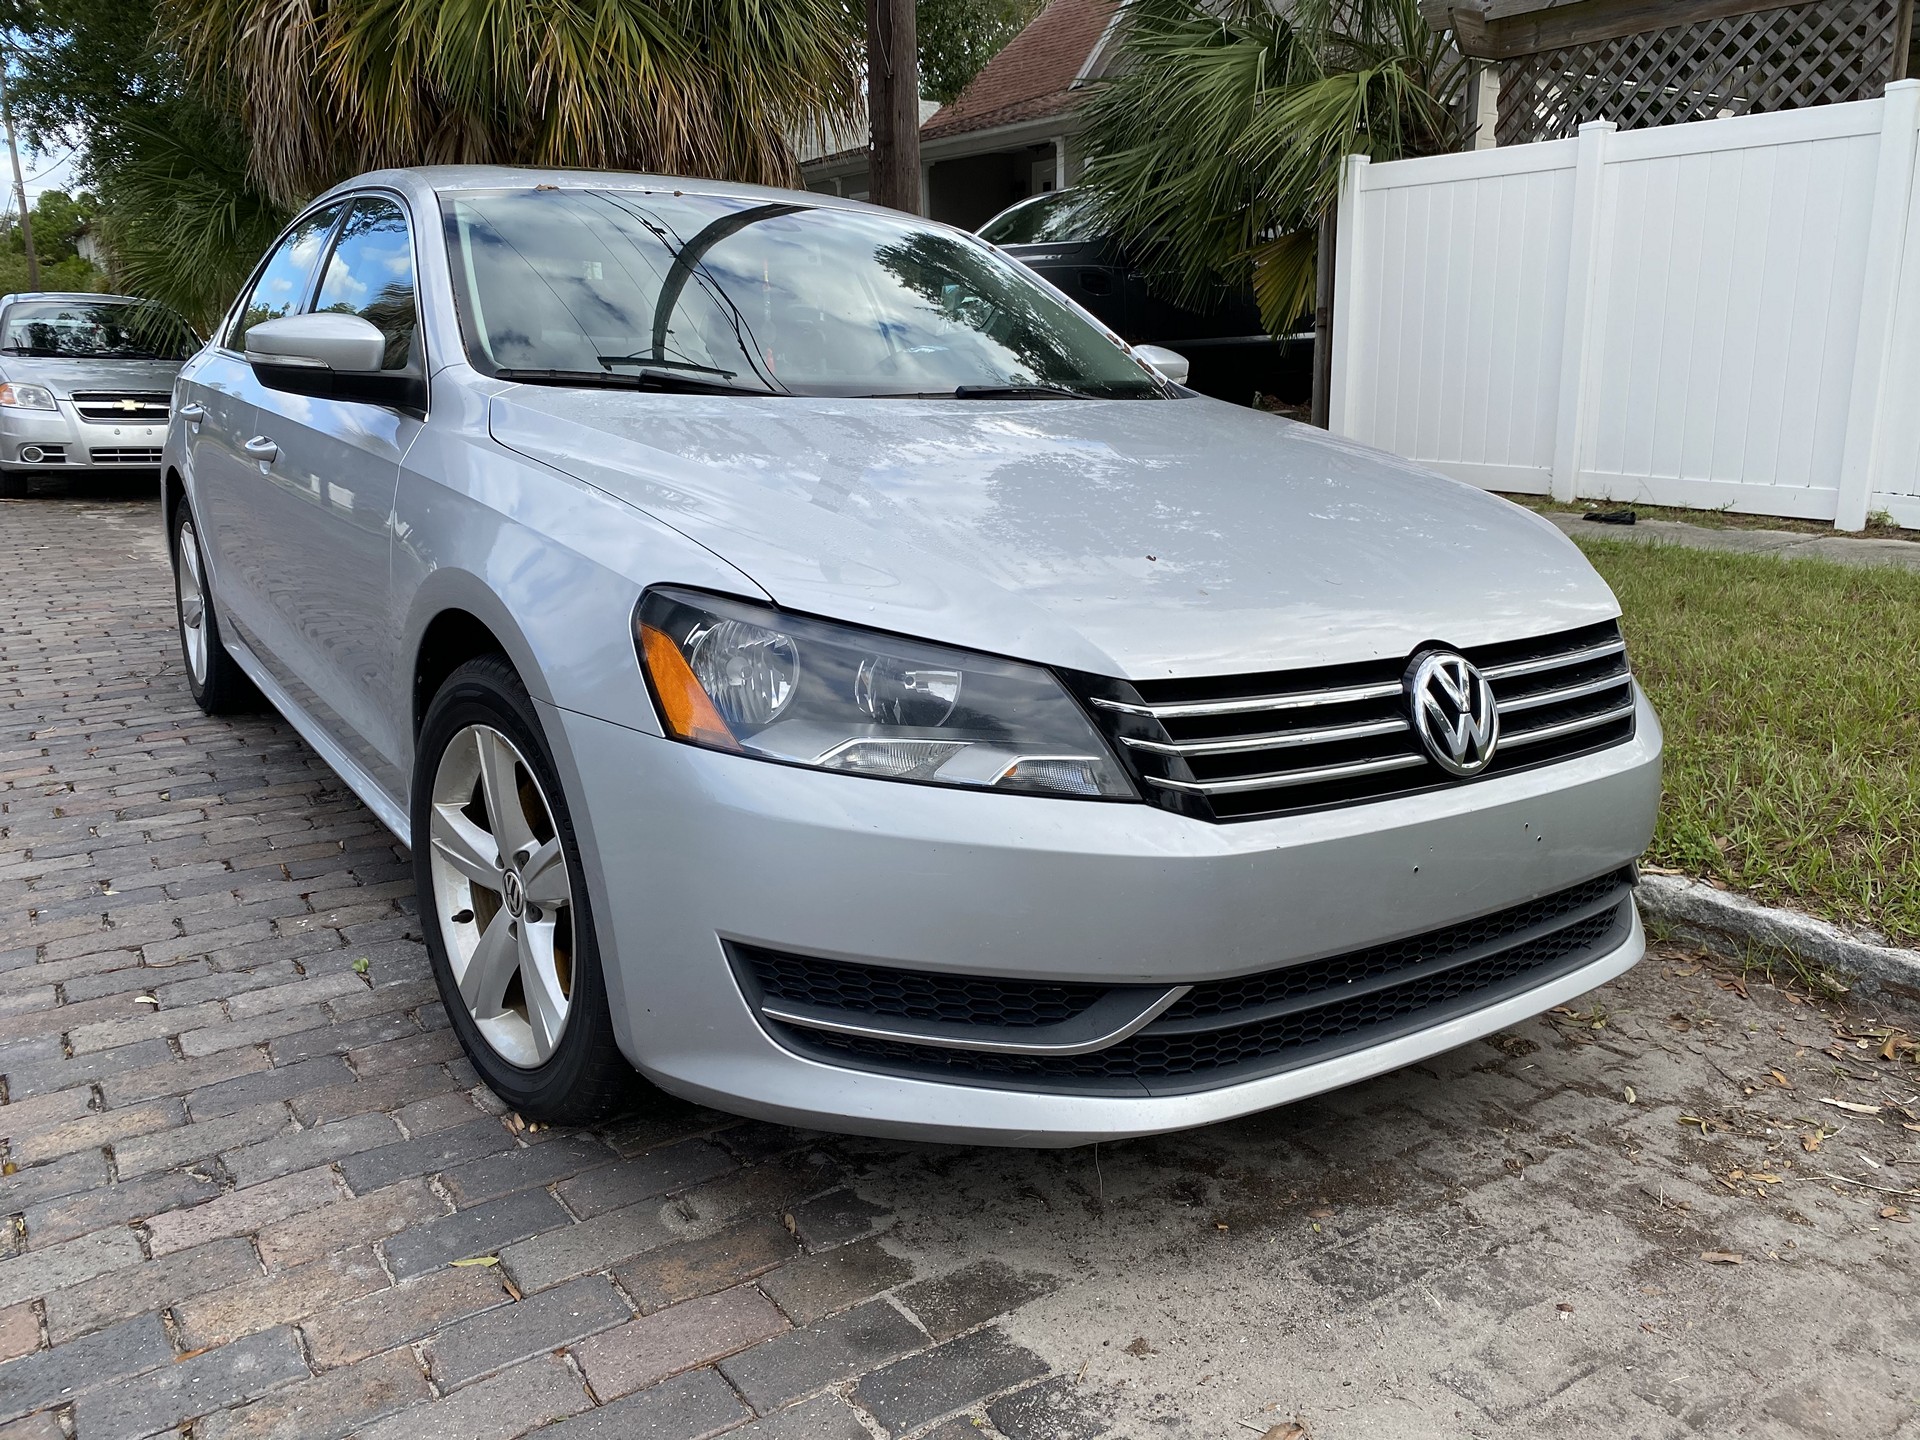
[(1228, 748), (1509, 739), (1300, 700), (1279, 740), (1555, 662), (1561, 696), (1288, 778)]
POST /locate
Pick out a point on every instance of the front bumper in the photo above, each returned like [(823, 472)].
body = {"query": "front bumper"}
[(688, 850), (46, 441)]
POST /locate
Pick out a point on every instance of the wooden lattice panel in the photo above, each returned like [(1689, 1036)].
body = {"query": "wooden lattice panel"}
[(1781, 59)]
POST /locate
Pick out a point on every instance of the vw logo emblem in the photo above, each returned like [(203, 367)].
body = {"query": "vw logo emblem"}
[(513, 894), (1453, 712)]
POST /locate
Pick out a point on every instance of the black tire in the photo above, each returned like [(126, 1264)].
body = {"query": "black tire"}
[(218, 685), (586, 1077)]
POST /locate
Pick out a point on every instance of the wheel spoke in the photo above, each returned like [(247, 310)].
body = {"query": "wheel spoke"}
[(501, 786), (540, 983), (545, 876), (483, 984), (191, 610), (465, 846)]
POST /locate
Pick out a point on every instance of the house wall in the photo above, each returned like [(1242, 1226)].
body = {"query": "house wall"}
[(1723, 314)]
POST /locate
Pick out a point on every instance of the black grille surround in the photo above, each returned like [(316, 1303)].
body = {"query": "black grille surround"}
[(1245, 747), (123, 407), (1217, 1033)]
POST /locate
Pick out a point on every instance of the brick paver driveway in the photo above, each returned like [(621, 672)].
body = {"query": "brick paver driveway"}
[(254, 1191)]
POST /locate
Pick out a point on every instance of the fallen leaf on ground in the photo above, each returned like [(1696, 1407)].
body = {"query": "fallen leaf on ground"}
[(1292, 1430), (1894, 1212), (1810, 1142), (1723, 1257), (1853, 1107), (1735, 984), (1631, 1097), (477, 1260), (1780, 1079), (1320, 1212)]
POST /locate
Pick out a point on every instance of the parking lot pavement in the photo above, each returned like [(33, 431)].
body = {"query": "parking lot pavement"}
[(255, 1192)]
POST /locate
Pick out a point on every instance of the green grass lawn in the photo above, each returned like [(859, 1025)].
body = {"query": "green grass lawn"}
[(1790, 692)]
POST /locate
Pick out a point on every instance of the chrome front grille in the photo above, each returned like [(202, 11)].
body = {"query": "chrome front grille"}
[(123, 407), (1244, 747), (126, 455)]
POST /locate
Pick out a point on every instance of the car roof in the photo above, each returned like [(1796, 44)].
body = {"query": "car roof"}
[(72, 295), (425, 180)]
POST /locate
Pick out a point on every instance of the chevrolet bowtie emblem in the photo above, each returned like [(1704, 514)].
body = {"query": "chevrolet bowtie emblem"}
[(129, 404)]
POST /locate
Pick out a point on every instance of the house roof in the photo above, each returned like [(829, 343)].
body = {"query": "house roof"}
[(1033, 77)]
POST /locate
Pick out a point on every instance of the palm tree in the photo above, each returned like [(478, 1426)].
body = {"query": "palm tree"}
[(1217, 148), (326, 88)]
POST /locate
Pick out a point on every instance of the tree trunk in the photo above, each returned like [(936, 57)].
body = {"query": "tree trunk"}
[(1323, 320), (893, 105), (19, 185)]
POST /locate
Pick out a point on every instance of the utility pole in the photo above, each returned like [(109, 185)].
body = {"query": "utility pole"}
[(19, 183), (893, 105)]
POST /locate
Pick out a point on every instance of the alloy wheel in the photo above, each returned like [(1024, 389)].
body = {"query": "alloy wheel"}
[(193, 605), (502, 895)]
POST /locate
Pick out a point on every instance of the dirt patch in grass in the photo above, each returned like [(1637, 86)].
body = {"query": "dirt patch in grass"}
[(1878, 527), (1790, 692)]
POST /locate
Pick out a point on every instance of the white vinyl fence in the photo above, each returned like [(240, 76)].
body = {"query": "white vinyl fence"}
[(1721, 315)]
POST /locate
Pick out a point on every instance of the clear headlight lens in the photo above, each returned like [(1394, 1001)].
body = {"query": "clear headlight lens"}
[(731, 675), (26, 397)]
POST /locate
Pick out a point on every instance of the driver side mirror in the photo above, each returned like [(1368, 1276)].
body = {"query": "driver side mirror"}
[(1169, 363), (330, 355)]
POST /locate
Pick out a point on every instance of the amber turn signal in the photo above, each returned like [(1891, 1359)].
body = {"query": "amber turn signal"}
[(689, 713)]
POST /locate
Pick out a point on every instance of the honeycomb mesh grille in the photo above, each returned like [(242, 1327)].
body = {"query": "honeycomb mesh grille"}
[(1320, 1018), (913, 994)]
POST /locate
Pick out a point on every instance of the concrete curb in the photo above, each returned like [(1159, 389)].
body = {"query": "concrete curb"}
[(1727, 924)]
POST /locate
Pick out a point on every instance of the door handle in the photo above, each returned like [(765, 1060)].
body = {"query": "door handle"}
[(193, 412), (261, 449)]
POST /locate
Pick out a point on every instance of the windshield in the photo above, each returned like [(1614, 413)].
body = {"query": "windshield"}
[(726, 294), (96, 330), (1060, 217)]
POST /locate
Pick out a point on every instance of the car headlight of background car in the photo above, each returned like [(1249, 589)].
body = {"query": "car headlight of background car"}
[(745, 678), (16, 396)]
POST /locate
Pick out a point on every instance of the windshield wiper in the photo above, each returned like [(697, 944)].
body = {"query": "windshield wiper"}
[(1019, 392), (661, 362), (646, 380)]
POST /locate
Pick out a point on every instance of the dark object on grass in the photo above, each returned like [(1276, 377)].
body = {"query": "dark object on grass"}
[(1612, 517)]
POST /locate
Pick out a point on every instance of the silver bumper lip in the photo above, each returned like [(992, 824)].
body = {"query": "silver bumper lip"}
[(912, 1109), (1039, 889)]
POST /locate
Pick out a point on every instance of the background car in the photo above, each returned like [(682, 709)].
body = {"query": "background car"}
[(813, 663), (1231, 354), (85, 383)]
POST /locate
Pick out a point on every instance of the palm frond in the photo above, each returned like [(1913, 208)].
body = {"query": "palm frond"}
[(1217, 147), (326, 88)]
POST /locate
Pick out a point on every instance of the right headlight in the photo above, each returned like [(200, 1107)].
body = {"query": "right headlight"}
[(735, 676), (16, 396)]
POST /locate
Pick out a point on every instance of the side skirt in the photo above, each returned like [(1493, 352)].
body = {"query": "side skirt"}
[(390, 812)]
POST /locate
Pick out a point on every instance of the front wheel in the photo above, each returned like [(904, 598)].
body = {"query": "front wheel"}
[(503, 903), (219, 686)]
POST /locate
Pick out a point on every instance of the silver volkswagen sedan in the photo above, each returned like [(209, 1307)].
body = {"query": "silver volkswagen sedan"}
[(820, 667)]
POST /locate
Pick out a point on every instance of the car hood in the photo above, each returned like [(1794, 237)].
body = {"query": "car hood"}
[(63, 377), (1133, 538)]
